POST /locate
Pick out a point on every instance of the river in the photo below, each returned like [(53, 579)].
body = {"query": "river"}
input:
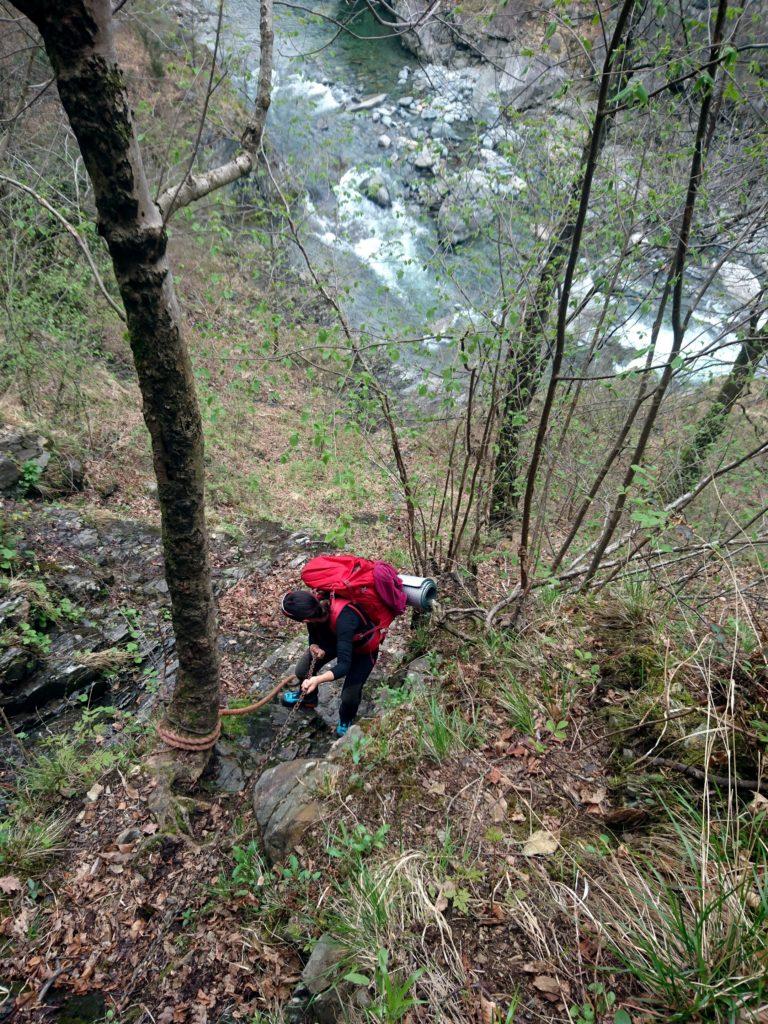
[(384, 260)]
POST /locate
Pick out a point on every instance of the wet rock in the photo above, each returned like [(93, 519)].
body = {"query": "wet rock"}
[(374, 187), (287, 802), (425, 160), (405, 101), (16, 665)]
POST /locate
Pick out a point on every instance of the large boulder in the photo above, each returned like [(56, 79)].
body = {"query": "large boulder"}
[(431, 38), (287, 801), (375, 188), (472, 203), (527, 82)]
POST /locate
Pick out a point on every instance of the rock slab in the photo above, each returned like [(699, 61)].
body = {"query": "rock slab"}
[(286, 802)]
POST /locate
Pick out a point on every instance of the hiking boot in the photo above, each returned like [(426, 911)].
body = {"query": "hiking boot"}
[(293, 697), (341, 728)]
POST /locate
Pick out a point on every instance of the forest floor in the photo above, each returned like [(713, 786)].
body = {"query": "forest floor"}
[(489, 830)]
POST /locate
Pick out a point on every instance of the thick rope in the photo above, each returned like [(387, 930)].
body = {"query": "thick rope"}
[(172, 739)]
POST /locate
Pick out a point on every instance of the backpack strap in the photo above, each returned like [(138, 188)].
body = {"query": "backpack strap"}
[(370, 633)]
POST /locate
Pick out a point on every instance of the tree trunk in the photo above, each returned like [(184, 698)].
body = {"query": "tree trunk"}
[(676, 278), (588, 168), (527, 358), (79, 42), (712, 424)]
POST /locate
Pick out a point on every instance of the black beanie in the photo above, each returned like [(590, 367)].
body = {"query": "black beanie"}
[(301, 605)]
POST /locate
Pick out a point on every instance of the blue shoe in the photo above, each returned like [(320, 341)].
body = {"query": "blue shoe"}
[(293, 697), (341, 729)]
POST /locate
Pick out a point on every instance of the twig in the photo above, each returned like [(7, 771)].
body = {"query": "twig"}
[(13, 735), (74, 233), (745, 785), (49, 982)]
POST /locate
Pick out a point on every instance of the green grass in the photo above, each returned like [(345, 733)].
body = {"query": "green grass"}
[(442, 731), (28, 843), (63, 767), (686, 914), (519, 705)]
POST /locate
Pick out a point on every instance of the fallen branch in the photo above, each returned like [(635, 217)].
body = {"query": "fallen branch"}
[(726, 781)]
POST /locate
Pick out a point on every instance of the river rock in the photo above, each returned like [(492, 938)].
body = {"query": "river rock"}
[(443, 131), (374, 187), (425, 160), (740, 282), (467, 208), (286, 802), (406, 101), (367, 102), (385, 141), (501, 135)]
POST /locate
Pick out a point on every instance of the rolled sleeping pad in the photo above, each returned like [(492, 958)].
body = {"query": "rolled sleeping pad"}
[(420, 591)]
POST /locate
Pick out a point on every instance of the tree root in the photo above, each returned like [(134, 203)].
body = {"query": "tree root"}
[(174, 770)]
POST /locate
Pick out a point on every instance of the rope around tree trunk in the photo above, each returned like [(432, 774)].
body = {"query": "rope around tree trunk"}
[(195, 743)]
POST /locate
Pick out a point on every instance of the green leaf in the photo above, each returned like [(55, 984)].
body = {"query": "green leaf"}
[(622, 1017), (357, 979)]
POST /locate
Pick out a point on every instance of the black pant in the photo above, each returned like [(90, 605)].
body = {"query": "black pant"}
[(352, 691)]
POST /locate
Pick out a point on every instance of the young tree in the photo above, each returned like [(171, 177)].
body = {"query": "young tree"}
[(79, 41), (710, 427)]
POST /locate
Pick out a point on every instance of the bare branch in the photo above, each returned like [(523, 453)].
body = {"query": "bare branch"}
[(195, 186)]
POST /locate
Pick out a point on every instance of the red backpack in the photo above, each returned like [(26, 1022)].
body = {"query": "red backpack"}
[(373, 589)]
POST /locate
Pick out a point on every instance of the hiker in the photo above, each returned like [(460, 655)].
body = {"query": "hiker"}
[(338, 630)]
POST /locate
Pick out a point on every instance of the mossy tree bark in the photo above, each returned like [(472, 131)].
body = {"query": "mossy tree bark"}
[(78, 39), (712, 424)]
